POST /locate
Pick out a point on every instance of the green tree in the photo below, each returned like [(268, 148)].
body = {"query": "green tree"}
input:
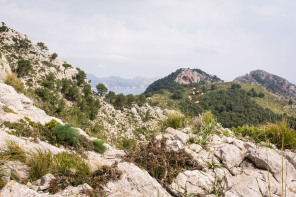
[(236, 86), (130, 99), (120, 101), (24, 67), (110, 96), (42, 46), (102, 90), (141, 99), (80, 77), (53, 56), (213, 87)]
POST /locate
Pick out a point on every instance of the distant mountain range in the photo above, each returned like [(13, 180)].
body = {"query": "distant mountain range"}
[(119, 85)]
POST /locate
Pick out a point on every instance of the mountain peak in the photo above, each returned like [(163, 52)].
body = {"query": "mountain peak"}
[(188, 76), (277, 85)]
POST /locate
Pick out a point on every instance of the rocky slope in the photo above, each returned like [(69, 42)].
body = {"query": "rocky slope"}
[(227, 166), (273, 83)]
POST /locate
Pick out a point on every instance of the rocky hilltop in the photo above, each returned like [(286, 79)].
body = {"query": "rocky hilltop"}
[(182, 76), (273, 83), (188, 76)]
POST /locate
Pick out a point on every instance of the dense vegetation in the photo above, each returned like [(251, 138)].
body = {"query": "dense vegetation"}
[(232, 104)]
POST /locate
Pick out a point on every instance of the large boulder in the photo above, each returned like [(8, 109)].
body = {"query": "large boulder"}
[(269, 159), (136, 182)]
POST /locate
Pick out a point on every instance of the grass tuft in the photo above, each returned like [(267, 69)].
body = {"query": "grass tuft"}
[(41, 163), (16, 83), (175, 120)]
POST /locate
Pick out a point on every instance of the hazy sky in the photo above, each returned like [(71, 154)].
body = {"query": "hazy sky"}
[(150, 38)]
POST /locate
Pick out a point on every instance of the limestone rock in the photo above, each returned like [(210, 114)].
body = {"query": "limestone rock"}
[(22, 105), (193, 182), (179, 135), (45, 182), (136, 182), (17, 170), (230, 155), (269, 159)]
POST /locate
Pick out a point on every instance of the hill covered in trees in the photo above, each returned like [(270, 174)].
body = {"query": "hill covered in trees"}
[(233, 104)]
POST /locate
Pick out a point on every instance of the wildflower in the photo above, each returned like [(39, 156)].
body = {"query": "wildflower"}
[(196, 102)]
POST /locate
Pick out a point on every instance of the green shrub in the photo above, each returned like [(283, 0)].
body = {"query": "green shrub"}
[(128, 144), (175, 120), (41, 163), (279, 134), (24, 67), (99, 146), (66, 133), (16, 83)]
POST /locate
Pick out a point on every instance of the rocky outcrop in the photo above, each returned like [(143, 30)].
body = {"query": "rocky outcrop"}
[(273, 83), (235, 168), (21, 106), (188, 76), (135, 182)]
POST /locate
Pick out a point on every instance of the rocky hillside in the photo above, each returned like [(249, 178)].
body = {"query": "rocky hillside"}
[(64, 92), (119, 85), (182, 76), (213, 164), (273, 83)]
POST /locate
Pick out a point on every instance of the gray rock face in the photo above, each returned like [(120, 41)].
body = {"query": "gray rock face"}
[(16, 169), (136, 182), (273, 83), (21, 105), (188, 76)]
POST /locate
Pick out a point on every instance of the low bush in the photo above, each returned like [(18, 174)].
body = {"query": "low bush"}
[(175, 120), (99, 146), (128, 144), (66, 134), (162, 164)]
